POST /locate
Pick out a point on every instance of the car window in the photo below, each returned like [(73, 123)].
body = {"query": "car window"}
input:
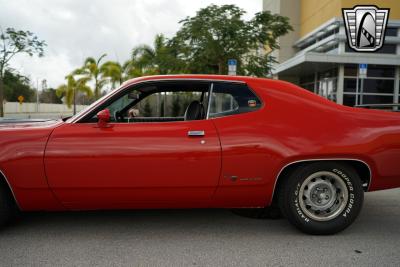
[(232, 98), (166, 101), (122, 102), (165, 104)]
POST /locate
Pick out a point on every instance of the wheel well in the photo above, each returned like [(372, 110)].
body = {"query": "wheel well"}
[(7, 187), (362, 169)]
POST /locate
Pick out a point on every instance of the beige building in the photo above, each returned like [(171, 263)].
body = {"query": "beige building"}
[(317, 57)]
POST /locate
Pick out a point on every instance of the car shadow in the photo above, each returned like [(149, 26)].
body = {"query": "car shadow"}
[(142, 221), (379, 214)]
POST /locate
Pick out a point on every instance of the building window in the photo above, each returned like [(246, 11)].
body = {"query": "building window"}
[(350, 99), (351, 70), (391, 31), (380, 71), (328, 88), (349, 85), (377, 88), (308, 82), (376, 99)]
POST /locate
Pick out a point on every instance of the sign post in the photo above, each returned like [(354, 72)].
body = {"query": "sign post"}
[(362, 74), (21, 99), (362, 71), (232, 66)]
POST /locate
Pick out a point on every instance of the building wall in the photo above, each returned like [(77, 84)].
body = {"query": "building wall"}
[(290, 9), (43, 110), (316, 12)]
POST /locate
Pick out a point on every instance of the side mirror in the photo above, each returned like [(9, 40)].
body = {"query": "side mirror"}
[(103, 117)]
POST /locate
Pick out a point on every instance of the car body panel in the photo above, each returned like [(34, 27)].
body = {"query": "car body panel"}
[(133, 165), (21, 162), (240, 168)]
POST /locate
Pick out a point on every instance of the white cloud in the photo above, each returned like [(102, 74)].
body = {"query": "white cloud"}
[(77, 29)]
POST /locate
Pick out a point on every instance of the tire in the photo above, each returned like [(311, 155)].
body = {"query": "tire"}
[(321, 198), (7, 206), (259, 213)]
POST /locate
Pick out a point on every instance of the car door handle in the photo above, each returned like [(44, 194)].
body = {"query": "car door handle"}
[(196, 133)]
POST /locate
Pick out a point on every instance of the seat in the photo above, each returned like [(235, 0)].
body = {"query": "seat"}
[(194, 111)]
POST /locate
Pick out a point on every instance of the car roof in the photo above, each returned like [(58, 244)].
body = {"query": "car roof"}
[(213, 77)]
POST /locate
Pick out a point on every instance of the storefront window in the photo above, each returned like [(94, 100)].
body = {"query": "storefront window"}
[(350, 99), (378, 86), (380, 71), (350, 70), (350, 85), (376, 99)]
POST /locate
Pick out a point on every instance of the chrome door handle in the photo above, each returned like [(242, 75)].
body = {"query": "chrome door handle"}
[(196, 133)]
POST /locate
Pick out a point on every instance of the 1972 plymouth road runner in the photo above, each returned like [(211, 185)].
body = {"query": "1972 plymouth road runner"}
[(204, 141)]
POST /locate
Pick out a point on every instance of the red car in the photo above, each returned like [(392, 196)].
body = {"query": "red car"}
[(204, 141)]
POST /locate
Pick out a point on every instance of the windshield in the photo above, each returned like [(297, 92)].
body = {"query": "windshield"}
[(71, 119)]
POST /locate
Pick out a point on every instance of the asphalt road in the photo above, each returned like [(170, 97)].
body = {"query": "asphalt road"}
[(199, 238)]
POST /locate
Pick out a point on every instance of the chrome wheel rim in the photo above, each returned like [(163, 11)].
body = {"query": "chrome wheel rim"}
[(323, 196)]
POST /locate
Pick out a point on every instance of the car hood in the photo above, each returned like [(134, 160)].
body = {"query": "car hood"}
[(27, 123)]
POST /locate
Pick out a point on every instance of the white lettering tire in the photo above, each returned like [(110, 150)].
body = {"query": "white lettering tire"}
[(321, 198)]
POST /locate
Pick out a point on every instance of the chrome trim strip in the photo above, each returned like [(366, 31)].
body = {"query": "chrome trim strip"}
[(209, 101), (128, 84), (11, 189), (324, 159), (196, 133)]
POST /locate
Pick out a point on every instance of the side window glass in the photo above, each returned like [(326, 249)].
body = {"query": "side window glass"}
[(229, 99), (120, 103), (165, 105), (161, 102)]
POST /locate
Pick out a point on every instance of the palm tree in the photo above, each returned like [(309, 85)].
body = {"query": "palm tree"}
[(130, 69), (117, 73), (71, 88), (91, 70), (152, 60), (113, 71)]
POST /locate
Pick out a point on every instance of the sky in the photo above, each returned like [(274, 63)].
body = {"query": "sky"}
[(77, 29)]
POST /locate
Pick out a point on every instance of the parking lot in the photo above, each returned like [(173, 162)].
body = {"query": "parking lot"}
[(199, 237)]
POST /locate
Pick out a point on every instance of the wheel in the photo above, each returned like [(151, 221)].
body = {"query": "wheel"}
[(259, 213), (7, 206), (321, 198)]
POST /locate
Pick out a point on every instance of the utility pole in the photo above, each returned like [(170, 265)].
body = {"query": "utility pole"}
[(37, 95)]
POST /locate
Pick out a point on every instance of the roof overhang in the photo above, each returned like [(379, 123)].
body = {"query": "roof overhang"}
[(311, 59)]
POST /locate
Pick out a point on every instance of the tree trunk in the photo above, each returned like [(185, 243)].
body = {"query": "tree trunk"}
[(1, 98), (220, 67), (74, 101)]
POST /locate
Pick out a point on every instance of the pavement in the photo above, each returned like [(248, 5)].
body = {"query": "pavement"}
[(199, 238)]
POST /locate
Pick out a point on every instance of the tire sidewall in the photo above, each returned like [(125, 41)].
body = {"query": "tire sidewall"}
[(6, 206), (353, 206)]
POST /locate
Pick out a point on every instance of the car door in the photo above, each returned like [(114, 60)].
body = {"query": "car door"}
[(134, 165), (246, 156)]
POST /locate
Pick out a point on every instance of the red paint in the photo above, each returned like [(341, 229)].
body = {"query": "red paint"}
[(64, 165), (104, 117)]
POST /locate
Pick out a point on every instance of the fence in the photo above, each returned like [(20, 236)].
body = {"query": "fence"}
[(41, 110)]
